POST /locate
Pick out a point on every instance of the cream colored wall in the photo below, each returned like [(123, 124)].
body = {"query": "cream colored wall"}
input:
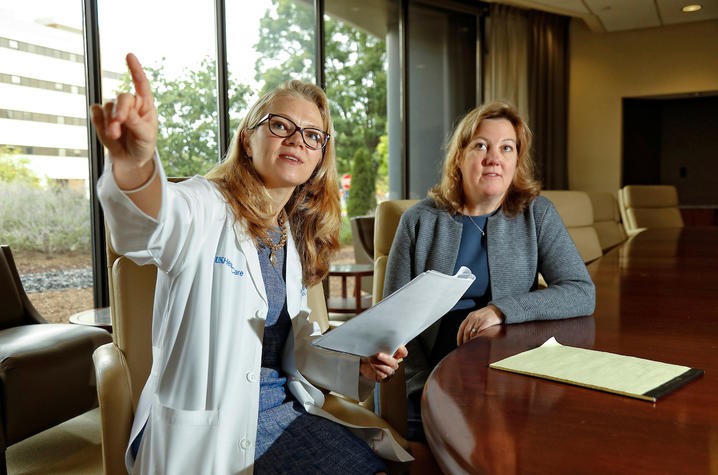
[(604, 68)]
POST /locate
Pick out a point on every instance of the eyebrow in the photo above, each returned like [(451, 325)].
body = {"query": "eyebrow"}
[(502, 140), (310, 126)]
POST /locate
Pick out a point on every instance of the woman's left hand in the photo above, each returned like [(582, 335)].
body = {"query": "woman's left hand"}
[(381, 366), (476, 322)]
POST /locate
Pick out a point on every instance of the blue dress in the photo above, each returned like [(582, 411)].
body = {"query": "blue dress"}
[(289, 440)]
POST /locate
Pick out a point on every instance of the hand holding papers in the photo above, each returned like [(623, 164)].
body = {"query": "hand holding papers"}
[(400, 317)]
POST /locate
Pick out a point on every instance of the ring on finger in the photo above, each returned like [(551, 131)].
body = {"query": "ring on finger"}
[(474, 330)]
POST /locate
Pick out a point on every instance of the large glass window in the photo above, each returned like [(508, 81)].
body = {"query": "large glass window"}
[(44, 199), (356, 71), (268, 42), (175, 42)]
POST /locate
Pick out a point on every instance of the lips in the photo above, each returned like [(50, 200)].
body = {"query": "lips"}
[(291, 158)]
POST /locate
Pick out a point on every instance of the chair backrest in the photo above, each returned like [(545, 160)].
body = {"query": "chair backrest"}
[(386, 220), (391, 402), (133, 293), (16, 307), (606, 219), (363, 243), (649, 206), (576, 211)]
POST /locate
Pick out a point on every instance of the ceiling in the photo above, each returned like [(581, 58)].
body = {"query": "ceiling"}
[(619, 15)]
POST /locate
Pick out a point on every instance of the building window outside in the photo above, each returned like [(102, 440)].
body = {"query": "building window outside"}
[(44, 201)]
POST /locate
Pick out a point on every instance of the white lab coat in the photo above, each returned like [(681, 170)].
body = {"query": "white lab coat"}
[(201, 400)]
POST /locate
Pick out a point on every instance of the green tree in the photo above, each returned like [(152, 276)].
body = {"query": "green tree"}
[(355, 72), (188, 121), (14, 169), (362, 193)]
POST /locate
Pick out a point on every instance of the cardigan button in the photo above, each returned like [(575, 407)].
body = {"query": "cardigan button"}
[(252, 377), (244, 444)]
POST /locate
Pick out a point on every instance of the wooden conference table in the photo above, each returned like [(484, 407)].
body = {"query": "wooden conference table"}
[(657, 298)]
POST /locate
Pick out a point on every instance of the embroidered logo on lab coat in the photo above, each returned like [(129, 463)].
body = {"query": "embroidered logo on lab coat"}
[(228, 263)]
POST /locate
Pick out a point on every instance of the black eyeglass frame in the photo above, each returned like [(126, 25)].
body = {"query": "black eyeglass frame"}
[(301, 130)]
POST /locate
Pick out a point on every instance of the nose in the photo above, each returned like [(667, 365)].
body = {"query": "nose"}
[(492, 156), (295, 138)]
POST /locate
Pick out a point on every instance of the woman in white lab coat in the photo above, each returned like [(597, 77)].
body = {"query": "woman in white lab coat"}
[(233, 385)]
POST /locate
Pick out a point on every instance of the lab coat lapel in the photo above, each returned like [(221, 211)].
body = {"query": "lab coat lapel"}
[(246, 244), (295, 289)]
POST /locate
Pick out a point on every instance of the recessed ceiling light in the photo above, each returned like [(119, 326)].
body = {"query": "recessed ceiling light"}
[(692, 8)]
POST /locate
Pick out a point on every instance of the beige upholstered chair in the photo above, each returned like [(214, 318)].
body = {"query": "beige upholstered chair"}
[(122, 367), (363, 243), (649, 206), (607, 219), (575, 209), (392, 394)]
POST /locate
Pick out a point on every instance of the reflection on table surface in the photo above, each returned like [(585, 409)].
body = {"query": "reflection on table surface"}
[(657, 298)]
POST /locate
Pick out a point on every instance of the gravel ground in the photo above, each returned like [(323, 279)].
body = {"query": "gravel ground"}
[(57, 280)]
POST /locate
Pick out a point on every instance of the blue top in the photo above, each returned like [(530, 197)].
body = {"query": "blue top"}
[(472, 254), (276, 328)]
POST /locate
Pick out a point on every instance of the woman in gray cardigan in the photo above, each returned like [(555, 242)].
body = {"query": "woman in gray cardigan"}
[(486, 214)]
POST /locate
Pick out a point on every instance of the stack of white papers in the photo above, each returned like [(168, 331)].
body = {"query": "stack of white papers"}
[(400, 317)]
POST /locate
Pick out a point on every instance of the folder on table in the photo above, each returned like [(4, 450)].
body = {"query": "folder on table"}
[(619, 374)]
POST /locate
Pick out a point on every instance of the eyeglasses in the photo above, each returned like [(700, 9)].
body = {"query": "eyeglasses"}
[(284, 127)]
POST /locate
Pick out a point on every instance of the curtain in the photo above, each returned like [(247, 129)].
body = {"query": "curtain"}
[(548, 96), (506, 61)]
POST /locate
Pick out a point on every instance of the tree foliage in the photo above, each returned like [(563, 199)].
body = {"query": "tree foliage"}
[(15, 169), (187, 110), (354, 69), (362, 193)]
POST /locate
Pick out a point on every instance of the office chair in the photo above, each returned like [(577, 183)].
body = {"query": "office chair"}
[(607, 219), (649, 206), (576, 211)]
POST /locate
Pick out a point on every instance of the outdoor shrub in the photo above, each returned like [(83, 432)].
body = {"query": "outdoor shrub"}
[(48, 220), (362, 194), (345, 232)]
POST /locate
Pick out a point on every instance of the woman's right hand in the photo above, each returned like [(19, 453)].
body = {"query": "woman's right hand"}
[(128, 128)]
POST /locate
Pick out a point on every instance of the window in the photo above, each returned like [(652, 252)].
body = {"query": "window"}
[(268, 42), (176, 46), (44, 201)]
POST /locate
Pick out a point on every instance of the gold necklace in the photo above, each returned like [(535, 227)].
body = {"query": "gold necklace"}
[(282, 240), (477, 226)]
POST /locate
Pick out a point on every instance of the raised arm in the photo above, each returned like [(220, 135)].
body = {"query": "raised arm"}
[(128, 128)]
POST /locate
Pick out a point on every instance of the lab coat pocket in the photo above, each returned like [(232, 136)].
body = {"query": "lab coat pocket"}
[(181, 441)]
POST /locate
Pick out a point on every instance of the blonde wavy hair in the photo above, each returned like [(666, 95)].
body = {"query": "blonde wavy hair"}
[(449, 194), (313, 210)]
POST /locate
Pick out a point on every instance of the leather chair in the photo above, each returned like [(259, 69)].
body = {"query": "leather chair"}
[(606, 219), (649, 206), (46, 374), (576, 211), (122, 367), (390, 397)]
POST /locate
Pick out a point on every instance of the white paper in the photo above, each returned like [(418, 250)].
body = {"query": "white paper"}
[(403, 315)]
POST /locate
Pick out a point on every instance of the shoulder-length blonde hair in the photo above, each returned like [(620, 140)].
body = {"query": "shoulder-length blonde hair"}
[(313, 209), (449, 192)]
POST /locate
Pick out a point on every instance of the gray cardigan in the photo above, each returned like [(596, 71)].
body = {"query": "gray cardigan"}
[(518, 247)]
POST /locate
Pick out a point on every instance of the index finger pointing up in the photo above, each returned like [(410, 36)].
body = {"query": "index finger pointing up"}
[(142, 85)]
